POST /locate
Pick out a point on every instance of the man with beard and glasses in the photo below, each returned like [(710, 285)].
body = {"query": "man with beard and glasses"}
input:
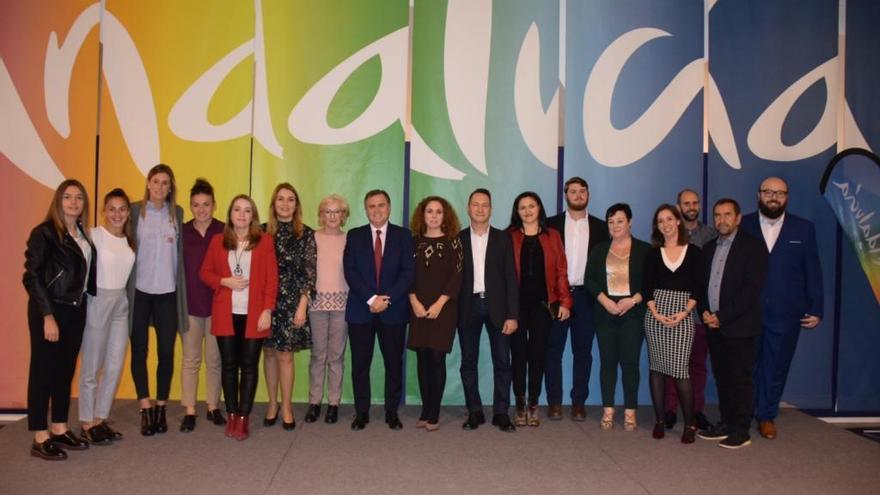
[(700, 234), (792, 297), (580, 232)]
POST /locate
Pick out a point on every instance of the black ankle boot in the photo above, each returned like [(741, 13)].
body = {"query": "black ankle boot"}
[(159, 419), (148, 427)]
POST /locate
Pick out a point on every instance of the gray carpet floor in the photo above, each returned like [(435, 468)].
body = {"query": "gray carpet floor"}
[(558, 457)]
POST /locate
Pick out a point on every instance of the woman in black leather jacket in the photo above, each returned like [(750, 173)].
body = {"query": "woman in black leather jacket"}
[(59, 270)]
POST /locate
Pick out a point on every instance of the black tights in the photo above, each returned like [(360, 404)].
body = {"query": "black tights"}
[(432, 381), (685, 396), (528, 350), (239, 353)]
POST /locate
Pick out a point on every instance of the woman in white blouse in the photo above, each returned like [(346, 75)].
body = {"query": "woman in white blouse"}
[(105, 339)]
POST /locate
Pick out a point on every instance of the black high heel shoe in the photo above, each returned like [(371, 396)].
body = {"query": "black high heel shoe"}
[(148, 428), (289, 426), (267, 421)]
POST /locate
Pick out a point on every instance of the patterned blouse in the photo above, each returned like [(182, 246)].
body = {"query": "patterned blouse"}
[(331, 288), (297, 261)]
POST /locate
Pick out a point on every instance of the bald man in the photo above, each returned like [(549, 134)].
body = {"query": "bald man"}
[(792, 297)]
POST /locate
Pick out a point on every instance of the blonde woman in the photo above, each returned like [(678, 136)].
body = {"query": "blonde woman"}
[(297, 259), (327, 311), (156, 291), (59, 271), (240, 268)]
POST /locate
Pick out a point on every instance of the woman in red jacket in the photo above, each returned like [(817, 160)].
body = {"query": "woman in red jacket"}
[(240, 267), (544, 296)]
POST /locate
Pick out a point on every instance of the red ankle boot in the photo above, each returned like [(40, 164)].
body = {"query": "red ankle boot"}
[(243, 431), (232, 425)]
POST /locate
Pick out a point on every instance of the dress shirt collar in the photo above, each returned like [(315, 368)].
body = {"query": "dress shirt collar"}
[(726, 240), (568, 216), (770, 222)]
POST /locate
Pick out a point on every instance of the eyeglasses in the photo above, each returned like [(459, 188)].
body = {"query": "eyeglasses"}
[(332, 212), (769, 193)]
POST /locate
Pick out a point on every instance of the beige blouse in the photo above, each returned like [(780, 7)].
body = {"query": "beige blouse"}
[(617, 273)]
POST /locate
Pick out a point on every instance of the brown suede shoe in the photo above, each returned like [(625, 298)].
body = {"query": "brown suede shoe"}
[(554, 412), (578, 413), (767, 429)]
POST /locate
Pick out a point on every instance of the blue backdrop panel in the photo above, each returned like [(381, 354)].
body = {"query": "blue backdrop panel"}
[(758, 50), (655, 175), (859, 370)]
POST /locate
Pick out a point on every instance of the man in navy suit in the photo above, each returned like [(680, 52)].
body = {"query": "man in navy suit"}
[(792, 297), (580, 231), (378, 266)]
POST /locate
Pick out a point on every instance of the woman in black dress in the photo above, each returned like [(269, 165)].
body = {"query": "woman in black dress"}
[(672, 281), (439, 261)]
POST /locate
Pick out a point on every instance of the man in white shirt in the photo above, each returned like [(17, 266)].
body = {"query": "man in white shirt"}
[(580, 231), (489, 297)]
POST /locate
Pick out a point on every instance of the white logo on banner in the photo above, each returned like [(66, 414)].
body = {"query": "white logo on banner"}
[(467, 50), (188, 118)]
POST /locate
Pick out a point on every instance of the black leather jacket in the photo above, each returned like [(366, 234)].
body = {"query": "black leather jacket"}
[(55, 271)]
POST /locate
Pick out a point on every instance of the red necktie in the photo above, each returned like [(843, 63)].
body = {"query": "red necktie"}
[(377, 256)]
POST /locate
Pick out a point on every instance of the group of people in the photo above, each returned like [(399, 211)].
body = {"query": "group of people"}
[(239, 288)]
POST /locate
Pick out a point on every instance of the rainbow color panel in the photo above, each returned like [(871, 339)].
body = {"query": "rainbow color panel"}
[(48, 96)]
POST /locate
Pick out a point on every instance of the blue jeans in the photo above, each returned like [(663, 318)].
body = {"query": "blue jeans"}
[(469, 340), (582, 331)]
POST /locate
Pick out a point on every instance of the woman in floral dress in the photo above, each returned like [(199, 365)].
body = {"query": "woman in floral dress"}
[(297, 260)]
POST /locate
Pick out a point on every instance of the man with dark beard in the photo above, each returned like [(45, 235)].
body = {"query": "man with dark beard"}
[(792, 297), (580, 231), (700, 234)]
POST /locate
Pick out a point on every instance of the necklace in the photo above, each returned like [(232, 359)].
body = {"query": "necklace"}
[(238, 272)]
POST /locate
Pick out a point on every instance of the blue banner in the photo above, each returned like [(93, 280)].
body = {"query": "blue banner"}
[(859, 373), (633, 109), (773, 74), (851, 186)]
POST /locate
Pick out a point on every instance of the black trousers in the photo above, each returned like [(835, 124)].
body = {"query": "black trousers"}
[(239, 361), (469, 341), (733, 361), (161, 310), (392, 340), (432, 382), (528, 347), (53, 364)]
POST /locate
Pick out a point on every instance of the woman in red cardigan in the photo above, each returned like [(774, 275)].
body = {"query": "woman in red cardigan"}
[(240, 267), (544, 296)]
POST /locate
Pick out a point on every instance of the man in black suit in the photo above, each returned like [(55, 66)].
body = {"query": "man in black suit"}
[(580, 231), (379, 269), (490, 296), (736, 264)]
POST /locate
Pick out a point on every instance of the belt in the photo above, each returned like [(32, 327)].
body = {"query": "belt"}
[(481, 295), (576, 287)]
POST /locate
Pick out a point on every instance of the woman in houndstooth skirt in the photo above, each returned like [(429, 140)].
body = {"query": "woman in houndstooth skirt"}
[(673, 280)]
